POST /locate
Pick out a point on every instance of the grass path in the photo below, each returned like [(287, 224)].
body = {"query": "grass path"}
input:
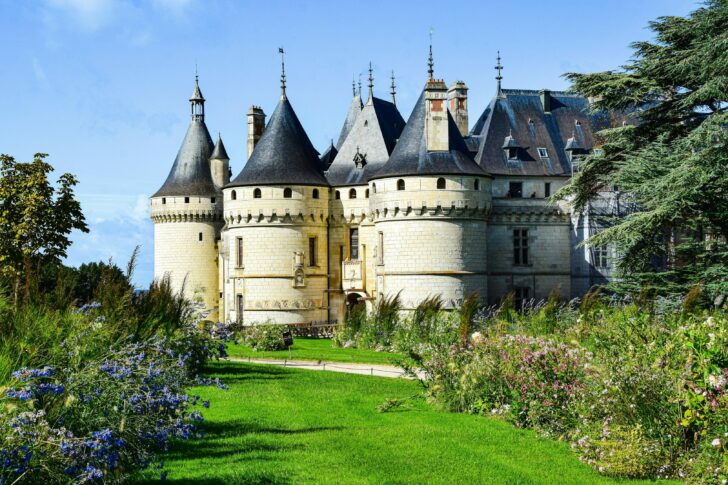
[(316, 349), (279, 426)]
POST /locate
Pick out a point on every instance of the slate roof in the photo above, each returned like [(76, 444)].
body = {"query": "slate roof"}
[(410, 155), (190, 174), (219, 152), (520, 114), (283, 155), (329, 154), (354, 110), (373, 136)]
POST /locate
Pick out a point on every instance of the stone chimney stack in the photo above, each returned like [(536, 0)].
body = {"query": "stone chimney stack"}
[(545, 100), (256, 125), (458, 96), (436, 132)]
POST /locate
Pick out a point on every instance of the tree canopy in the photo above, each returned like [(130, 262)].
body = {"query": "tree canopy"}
[(673, 163), (36, 218)]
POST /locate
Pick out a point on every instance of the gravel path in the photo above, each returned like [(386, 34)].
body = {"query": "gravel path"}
[(345, 367)]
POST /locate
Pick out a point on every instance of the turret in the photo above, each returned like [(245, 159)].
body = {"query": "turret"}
[(220, 164)]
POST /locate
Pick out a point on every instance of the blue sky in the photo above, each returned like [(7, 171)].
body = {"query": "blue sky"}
[(102, 86)]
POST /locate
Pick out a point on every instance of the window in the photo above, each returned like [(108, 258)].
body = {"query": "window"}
[(337, 195), (515, 189), (512, 153), (400, 184), (547, 189), (380, 253), (366, 194), (312, 256), (440, 183), (600, 256), (341, 260), (287, 193), (315, 194), (476, 184), (233, 195), (187, 200), (520, 247), (164, 200), (374, 188), (239, 308), (352, 193), (212, 200), (543, 153), (199, 237), (521, 295), (354, 244), (239, 252), (256, 194)]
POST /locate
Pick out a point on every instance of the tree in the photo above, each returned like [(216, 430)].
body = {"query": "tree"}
[(36, 219), (674, 162)]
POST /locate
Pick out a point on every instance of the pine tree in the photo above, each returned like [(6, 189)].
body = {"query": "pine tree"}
[(673, 163)]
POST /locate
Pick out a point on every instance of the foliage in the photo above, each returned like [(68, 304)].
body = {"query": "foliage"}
[(36, 219), (672, 164), (264, 337)]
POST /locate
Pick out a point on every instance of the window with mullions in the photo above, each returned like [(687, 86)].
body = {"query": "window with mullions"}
[(600, 257), (521, 295), (520, 247)]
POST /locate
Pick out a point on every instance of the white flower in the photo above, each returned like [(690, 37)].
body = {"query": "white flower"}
[(476, 338), (715, 442), (717, 382), (710, 322)]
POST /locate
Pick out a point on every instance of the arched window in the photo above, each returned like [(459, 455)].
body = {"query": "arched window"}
[(441, 183), (287, 193), (233, 195), (352, 194), (337, 195), (366, 194), (256, 194), (476, 185), (315, 194), (374, 188), (400, 184)]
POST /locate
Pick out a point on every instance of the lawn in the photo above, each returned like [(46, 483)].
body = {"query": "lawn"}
[(276, 426), (316, 349)]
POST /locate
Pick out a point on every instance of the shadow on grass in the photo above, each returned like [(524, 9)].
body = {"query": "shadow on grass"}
[(234, 372)]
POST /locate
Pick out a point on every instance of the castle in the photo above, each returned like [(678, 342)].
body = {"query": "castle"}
[(421, 208)]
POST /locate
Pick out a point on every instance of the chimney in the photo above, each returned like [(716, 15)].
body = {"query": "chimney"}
[(458, 96), (436, 132), (256, 125), (545, 100)]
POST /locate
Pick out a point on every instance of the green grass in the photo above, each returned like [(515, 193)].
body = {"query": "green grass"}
[(316, 349), (279, 426)]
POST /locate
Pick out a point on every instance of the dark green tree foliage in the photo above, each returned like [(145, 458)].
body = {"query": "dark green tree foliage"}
[(674, 162), (36, 219)]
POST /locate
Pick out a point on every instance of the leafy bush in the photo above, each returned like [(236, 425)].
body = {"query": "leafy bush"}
[(265, 336)]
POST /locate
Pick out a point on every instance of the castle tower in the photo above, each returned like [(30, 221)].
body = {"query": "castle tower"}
[(457, 94), (187, 213), (276, 214), (430, 203)]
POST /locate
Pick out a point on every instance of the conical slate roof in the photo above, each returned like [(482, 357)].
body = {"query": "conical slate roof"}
[(219, 153), (410, 155), (354, 110), (283, 155), (190, 174), (329, 155), (373, 137)]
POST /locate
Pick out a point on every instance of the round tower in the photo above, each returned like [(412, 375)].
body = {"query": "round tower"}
[(430, 203), (187, 213), (275, 238)]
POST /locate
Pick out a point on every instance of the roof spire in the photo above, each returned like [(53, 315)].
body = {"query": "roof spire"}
[(197, 101), (430, 62), (353, 86), (283, 72), (360, 85), (392, 87), (499, 77), (371, 81)]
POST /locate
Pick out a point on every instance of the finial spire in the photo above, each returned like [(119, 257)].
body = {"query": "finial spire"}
[(360, 85), (353, 87), (371, 81), (499, 77), (283, 71), (430, 62), (197, 101), (392, 87)]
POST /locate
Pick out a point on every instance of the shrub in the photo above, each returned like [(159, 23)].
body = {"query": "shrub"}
[(265, 337)]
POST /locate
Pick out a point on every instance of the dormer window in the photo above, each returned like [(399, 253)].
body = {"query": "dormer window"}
[(543, 153), (360, 159), (512, 153)]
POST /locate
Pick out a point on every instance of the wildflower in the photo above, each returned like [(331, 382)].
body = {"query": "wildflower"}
[(715, 442)]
